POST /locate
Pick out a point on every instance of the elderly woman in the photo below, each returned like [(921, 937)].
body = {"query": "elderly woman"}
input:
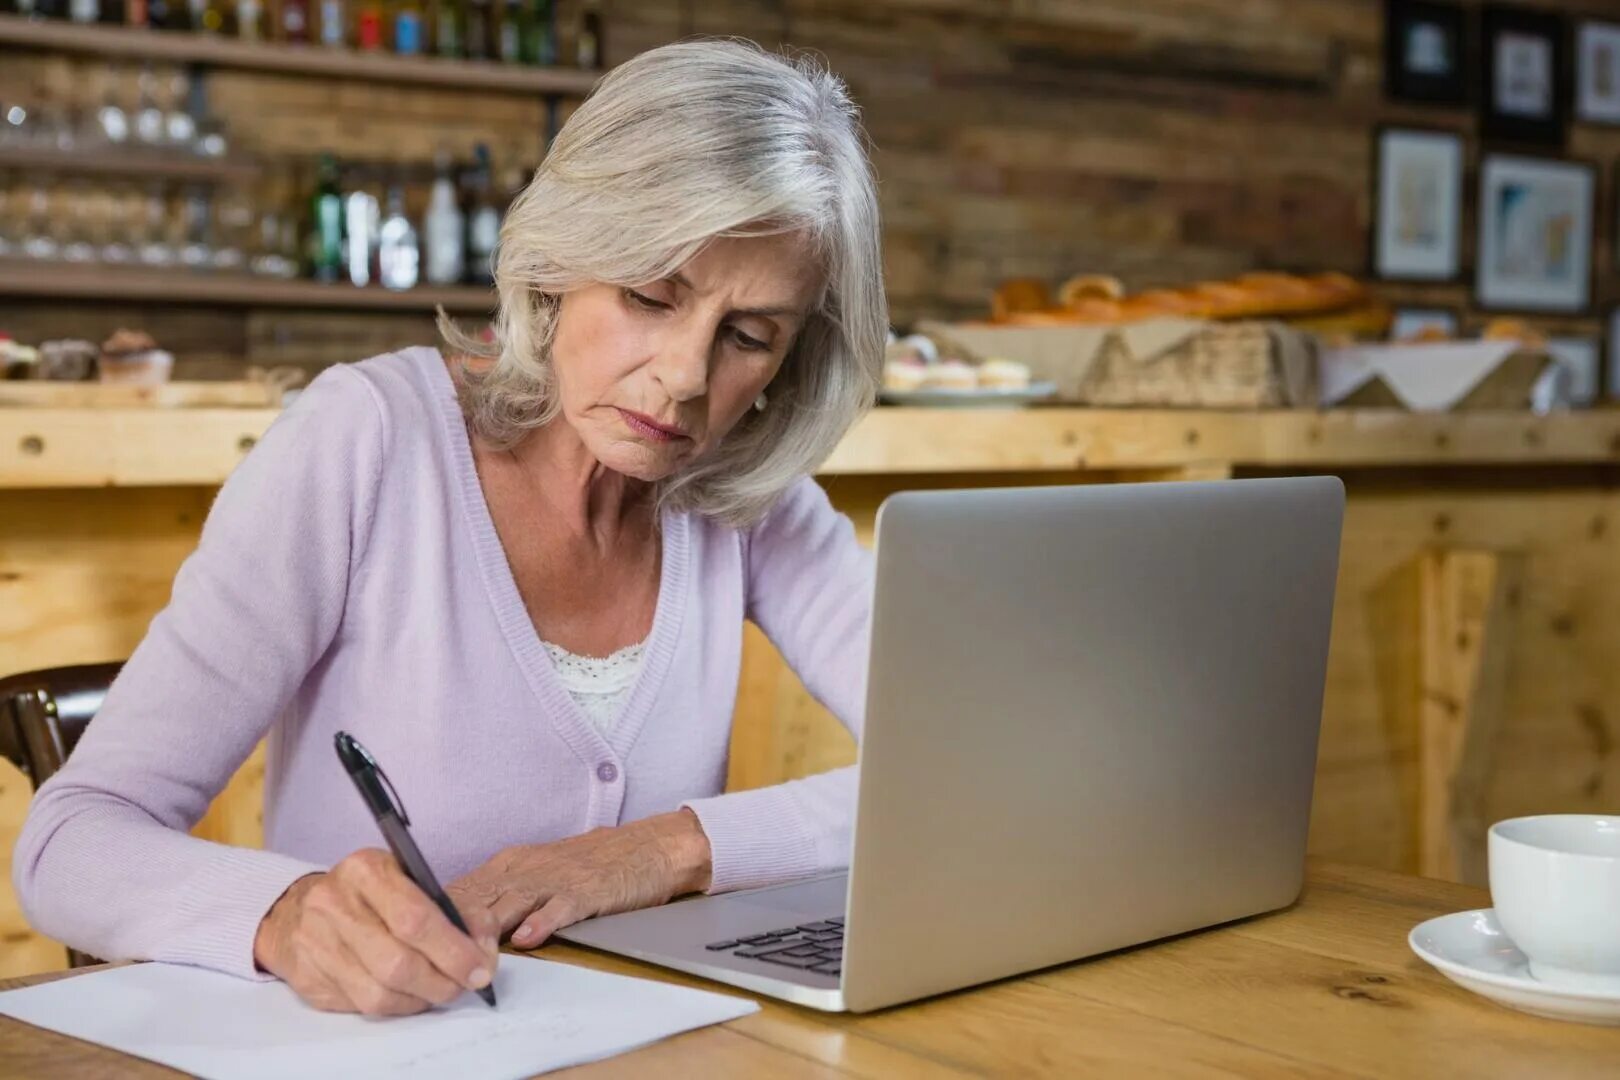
[(520, 578)]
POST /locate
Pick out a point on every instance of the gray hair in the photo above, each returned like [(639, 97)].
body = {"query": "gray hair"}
[(677, 147)]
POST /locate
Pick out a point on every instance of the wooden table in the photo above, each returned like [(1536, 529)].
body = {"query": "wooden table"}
[(1327, 988), (1471, 676)]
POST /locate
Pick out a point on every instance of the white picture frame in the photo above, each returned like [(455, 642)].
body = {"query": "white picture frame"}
[(1417, 221), (1597, 72), (1535, 234)]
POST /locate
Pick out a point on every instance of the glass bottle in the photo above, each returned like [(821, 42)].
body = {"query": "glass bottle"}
[(410, 29), (540, 33), (84, 11), (444, 229), (360, 221), (250, 20), (478, 28), (326, 223), (447, 29), (368, 32), (483, 220), (295, 22), (509, 37), (398, 257), (592, 44), (334, 23)]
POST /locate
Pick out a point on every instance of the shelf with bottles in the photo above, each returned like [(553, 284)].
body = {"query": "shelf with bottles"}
[(102, 283), (319, 234), (495, 45)]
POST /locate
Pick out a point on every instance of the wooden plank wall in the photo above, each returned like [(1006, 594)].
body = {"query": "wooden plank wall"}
[(1160, 140)]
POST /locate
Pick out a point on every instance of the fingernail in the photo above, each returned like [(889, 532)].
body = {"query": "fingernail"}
[(478, 979)]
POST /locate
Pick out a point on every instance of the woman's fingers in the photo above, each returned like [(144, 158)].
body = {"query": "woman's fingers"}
[(556, 913), (417, 923), (395, 964), (340, 964), (511, 908)]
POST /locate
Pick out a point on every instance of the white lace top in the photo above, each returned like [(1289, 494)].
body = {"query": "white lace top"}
[(599, 685)]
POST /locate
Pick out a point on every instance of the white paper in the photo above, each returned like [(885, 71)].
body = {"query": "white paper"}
[(550, 1016)]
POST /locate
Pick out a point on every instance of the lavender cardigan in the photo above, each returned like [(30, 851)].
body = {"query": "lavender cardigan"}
[(349, 576)]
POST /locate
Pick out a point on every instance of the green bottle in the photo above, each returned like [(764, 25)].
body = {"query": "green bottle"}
[(326, 223), (540, 33), (447, 30)]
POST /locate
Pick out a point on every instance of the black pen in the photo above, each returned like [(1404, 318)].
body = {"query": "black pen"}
[(392, 820)]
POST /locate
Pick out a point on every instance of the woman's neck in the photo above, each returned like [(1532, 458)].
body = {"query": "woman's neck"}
[(590, 500)]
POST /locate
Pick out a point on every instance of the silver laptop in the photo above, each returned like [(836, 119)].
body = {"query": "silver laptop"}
[(1091, 722)]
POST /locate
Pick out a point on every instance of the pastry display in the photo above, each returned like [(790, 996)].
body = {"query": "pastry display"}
[(1099, 300)]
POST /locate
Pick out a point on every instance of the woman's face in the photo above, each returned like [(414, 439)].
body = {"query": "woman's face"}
[(652, 377)]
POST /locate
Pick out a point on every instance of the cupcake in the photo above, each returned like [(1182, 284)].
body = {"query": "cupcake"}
[(903, 375), (951, 375), (997, 374)]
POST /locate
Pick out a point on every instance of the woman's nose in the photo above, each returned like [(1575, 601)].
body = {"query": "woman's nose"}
[(683, 369)]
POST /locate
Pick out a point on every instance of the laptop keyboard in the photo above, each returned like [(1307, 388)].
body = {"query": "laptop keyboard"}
[(815, 946)]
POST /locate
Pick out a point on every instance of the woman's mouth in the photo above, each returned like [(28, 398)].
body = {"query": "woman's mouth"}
[(651, 429)]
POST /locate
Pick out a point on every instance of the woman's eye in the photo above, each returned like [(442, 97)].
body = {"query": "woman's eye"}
[(746, 342), (643, 301)]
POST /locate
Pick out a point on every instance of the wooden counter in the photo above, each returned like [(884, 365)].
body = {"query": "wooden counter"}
[(72, 448), (1326, 988), (1476, 634)]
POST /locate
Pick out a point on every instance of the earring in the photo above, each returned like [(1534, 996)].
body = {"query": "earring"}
[(760, 403)]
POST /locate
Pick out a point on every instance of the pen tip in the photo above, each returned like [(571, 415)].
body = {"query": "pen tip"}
[(488, 994)]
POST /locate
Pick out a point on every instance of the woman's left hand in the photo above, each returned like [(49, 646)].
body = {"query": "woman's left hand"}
[(535, 889)]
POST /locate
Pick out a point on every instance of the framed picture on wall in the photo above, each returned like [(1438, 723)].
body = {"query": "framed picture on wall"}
[(1417, 215), (1425, 324), (1526, 86), (1597, 72), (1535, 234), (1426, 52)]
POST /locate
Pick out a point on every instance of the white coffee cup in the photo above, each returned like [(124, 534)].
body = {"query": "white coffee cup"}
[(1555, 884)]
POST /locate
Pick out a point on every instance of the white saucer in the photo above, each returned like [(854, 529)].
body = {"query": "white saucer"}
[(1470, 949), (968, 399)]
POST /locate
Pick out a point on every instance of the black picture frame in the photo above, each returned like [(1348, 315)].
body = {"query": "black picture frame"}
[(1448, 25), (1546, 62), (1375, 264), (1484, 220)]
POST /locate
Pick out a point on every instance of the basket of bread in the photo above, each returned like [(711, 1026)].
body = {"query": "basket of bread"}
[(1245, 343)]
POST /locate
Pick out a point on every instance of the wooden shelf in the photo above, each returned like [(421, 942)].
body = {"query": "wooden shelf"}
[(141, 164), (186, 48), (66, 281), (54, 447)]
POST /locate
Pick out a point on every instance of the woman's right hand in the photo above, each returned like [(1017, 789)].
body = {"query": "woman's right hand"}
[(363, 938)]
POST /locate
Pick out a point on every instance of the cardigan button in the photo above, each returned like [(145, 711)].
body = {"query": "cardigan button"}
[(607, 772)]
